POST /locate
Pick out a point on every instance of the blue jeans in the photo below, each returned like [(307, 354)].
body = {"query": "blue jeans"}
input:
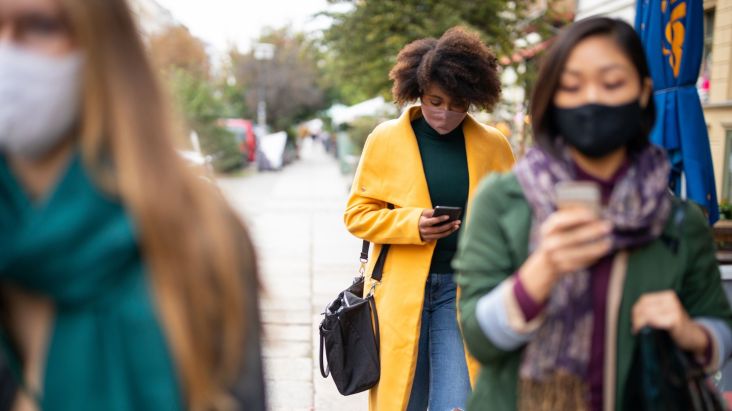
[(441, 380)]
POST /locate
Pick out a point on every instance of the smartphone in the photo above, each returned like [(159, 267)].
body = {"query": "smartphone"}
[(574, 194), (454, 212)]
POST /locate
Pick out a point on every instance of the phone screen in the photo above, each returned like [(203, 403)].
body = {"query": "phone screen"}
[(571, 194), (454, 212)]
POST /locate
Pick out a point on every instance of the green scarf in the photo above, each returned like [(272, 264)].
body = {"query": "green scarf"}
[(78, 246)]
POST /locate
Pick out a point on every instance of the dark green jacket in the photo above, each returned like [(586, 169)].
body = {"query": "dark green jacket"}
[(495, 244)]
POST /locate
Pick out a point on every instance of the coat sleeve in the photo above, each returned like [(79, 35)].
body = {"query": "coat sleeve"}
[(483, 262), (701, 293), (366, 216), (8, 382), (248, 389)]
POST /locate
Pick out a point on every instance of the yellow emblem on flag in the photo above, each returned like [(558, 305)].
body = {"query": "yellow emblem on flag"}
[(675, 34)]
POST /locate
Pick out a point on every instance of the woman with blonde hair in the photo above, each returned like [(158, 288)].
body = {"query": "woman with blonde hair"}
[(126, 283)]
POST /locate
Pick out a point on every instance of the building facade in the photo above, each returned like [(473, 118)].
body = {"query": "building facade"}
[(717, 80), (623, 9)]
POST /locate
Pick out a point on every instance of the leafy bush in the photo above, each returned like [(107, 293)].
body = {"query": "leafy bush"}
[(221, 145), (197, 100), (360, 129), (725, 210)]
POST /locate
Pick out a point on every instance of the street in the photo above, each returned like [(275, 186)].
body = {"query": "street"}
[(306, 256)]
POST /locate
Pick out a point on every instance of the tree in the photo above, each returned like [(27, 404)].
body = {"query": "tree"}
[(294, 86), (184, 65), (365, 40), (176, 48), (232, 96)]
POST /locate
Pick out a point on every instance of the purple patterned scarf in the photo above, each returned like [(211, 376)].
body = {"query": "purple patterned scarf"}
[(554, 369)]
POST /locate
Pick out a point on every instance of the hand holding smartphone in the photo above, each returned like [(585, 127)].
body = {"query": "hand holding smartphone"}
[(453, 212), (573, 196), (431, 226), (570, 239), (578, 194)]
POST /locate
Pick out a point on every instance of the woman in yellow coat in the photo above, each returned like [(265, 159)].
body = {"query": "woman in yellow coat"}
[(435, 154)]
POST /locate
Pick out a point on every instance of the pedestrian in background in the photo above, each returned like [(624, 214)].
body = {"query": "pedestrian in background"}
[(553, 297), (434, 154), (126, 282)]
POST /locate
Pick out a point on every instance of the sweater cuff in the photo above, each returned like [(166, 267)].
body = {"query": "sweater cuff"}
[(529, 307), (501, 320), (720, 343)]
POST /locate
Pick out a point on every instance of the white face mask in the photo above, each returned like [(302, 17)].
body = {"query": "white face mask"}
[(39, 100)]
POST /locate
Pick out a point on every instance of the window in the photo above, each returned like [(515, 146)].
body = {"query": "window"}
[(727, 171), (705, 72)]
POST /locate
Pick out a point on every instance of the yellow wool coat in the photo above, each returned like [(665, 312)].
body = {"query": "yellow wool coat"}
[(391, 171)]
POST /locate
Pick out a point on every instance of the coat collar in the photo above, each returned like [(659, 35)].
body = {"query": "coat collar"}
[(406, 184)]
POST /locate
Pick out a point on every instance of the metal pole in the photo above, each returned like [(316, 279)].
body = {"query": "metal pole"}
[(262, 104), (263, 52)]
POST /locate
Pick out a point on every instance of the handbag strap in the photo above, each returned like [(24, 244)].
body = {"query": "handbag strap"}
[(324, 370), (377, 336), (379, 266)]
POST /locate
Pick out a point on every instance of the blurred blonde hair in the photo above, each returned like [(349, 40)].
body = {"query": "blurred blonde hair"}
[(197, 251)]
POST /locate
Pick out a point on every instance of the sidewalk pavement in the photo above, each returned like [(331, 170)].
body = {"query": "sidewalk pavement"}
[(306, 257)]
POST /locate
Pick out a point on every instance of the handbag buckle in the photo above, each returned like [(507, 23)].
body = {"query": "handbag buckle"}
[(362, 269), (373, 287)]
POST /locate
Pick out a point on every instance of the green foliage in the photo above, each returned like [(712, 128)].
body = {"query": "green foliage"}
[(295, 86), (360, 129), (221, 145), (366, 39), (182, 61), (195, 97), (197, 100), (233, 99), (725, 210)]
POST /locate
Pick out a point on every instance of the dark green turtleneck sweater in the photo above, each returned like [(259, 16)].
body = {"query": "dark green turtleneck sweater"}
[(446, 170)]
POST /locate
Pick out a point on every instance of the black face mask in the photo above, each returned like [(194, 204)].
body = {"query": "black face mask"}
[(597, 130)]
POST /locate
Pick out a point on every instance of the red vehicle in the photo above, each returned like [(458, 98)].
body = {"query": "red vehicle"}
[(243, 130)]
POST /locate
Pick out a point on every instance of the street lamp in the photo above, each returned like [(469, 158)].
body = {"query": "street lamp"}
[(263, 52)]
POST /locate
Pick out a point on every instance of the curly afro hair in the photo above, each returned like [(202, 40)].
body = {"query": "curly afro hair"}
[(458, 62)]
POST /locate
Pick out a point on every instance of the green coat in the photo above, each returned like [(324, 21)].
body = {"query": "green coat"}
[(495, 244)]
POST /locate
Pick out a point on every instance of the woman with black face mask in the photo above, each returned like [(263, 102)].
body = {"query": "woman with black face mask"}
[(567, 257)]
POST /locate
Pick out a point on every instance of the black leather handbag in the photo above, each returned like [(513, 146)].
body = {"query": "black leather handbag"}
[(665, 378), (349, 333)]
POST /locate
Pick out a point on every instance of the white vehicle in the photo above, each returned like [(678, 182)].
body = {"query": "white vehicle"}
[(198, 160)]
